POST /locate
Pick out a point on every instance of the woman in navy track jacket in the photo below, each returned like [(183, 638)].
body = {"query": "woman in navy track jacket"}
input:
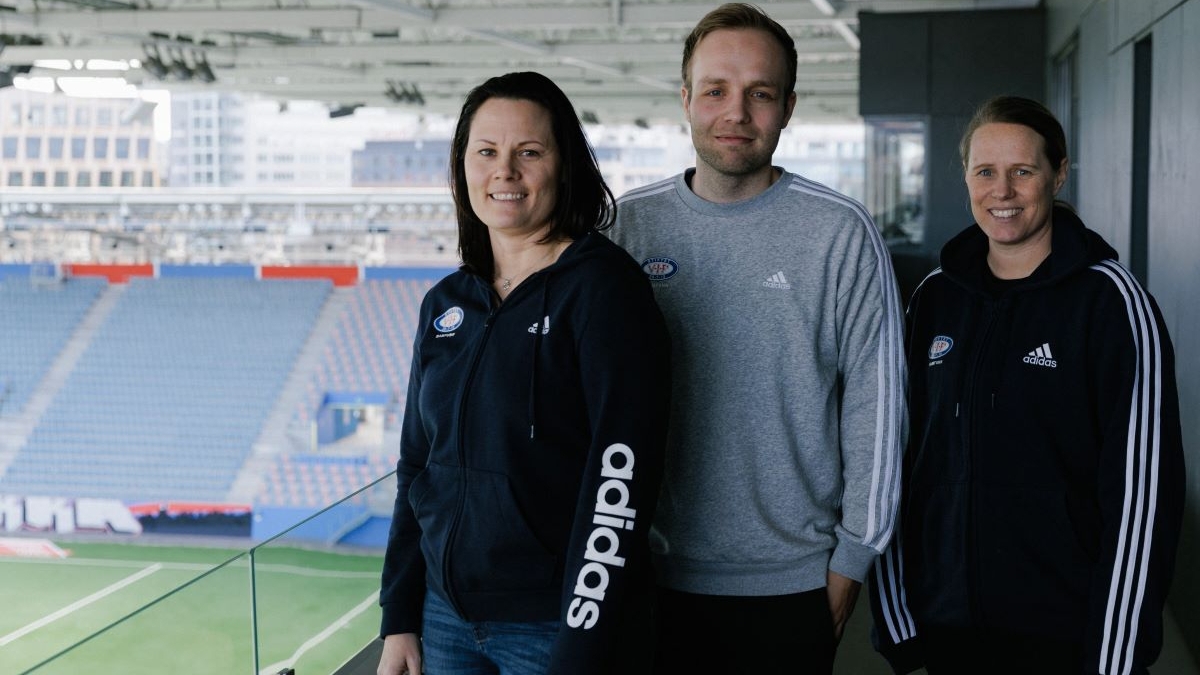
[(533, 436), (1043, 479)]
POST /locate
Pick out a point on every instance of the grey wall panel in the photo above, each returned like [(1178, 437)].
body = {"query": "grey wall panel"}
[(949, 205), (1106, 32), (1131, 17), (942, 65), (1105, 148), (893, 64), (1174, 262), (1063, 19), (977, 55)]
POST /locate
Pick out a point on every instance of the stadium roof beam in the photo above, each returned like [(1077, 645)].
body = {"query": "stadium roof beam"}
[(622, 45)]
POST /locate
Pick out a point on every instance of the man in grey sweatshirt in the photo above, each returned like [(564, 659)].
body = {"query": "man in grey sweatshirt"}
[(788, 414)]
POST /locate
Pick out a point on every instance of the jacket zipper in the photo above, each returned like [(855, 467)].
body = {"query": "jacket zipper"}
[(970, 427), (462, 464)]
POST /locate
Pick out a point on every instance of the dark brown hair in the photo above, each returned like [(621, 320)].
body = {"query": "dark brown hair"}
[(584, 202)]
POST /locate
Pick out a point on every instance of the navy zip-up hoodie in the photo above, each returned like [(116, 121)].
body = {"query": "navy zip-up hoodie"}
[(1043, 479), (531, 455)]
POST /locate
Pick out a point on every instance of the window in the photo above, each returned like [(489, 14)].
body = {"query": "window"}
[(33, 147), (10, 147), (122, 148), (78, 147), (54, 149), (106, 179), (83, 179), (16, 178), (58, 116), (143, 148), (99, 148), (15, 116), (104, 117), (37, 115), (147, 179), (37, 179), (62, 179), (1064, 102), (895, 180), (127, 179), (83, 117)]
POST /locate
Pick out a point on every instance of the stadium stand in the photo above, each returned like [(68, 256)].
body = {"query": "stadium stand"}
[(306, 480), (38, 319), (171, 392), (371, 346), (368, 351)]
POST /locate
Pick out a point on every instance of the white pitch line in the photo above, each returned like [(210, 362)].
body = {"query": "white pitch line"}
[(79, 604), (320, 637)]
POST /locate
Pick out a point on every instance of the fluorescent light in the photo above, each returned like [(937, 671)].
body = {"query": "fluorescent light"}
[(97, 87), (52, 64), (44, 85), (107, 64)]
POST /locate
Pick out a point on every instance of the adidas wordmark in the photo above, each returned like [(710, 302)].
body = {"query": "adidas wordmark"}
[(1041, 357)]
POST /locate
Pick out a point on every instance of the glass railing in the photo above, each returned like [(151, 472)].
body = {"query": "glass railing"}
[(293, 601)]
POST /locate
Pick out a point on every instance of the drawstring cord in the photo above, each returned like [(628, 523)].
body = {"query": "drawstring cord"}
[(541, 328)]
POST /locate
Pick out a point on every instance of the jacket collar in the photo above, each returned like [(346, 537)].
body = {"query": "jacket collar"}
[(1072, 247)]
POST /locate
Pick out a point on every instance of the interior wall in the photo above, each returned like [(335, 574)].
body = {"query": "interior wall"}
[(1106, 31), (940, 66)]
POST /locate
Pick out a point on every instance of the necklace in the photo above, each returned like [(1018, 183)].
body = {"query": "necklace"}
[(507, 282)]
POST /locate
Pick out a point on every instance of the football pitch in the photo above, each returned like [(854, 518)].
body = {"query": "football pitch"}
[(156, 609)]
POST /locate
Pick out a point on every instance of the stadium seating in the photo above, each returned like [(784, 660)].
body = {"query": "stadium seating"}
[(172, 391), (306, 480), (369, 351), (38, 319), (371, 346)]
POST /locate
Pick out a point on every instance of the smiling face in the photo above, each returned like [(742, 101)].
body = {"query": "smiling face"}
[(511, 166), (1012, 186), (736, 105)]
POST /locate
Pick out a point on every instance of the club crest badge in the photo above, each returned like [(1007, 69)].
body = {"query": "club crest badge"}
[(449, 321), (659, 269), (940, 346)]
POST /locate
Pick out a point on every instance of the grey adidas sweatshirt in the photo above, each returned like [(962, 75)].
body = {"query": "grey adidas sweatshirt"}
[(788, 414)]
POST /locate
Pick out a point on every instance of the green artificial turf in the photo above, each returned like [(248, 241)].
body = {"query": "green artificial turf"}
[(182, 610)]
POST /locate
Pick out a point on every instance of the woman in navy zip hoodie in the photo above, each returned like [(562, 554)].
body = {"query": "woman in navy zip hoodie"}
[(532, 441), (1043, 478)]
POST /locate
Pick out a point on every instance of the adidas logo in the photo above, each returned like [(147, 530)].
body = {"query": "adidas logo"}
[(1041, 357), (534, 328), (777, 280)]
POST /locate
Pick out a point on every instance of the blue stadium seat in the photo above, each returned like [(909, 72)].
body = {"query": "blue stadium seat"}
[(172, 391)]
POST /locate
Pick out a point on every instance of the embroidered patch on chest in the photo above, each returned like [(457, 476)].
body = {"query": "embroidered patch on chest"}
[(449, 321), (940, 346), (659, 269)]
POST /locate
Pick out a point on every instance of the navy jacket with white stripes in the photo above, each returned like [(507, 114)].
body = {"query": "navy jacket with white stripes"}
[(1043, 484)]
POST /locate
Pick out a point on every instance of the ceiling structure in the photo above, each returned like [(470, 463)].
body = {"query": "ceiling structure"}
[(618, 60)]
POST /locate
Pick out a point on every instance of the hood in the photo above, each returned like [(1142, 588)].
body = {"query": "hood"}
[(1073, 247)]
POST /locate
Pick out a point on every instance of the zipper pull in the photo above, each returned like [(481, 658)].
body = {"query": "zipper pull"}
[(956, 411)]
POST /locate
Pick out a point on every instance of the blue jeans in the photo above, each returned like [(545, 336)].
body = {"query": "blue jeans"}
[(452, 646)]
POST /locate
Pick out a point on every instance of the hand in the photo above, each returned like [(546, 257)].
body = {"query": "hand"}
[(401, 655), (843, 592)]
